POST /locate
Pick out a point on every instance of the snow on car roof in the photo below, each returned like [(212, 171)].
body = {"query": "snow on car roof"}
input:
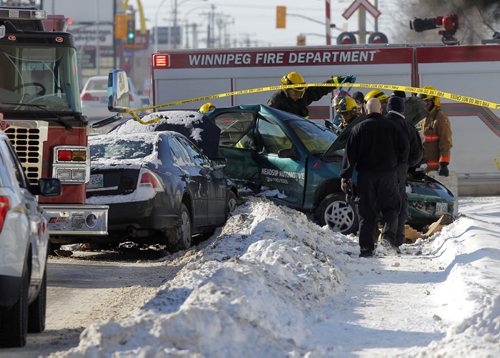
[(187, 118)]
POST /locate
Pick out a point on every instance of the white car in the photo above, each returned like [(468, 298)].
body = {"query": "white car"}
[(94, 98), (23, 250)]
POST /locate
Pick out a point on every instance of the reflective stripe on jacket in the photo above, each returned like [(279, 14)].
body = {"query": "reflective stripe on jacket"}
[(437, 138)]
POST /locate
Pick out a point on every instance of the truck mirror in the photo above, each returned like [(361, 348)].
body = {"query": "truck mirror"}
[(118, 91), (47, 187)]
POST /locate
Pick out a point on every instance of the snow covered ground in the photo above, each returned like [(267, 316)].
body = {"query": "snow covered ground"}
[(272, 284)]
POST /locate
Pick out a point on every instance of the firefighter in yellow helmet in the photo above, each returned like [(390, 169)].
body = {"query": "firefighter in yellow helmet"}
[(381, 96), (348, 109), (207, 107), (437, 135), (295, 100)]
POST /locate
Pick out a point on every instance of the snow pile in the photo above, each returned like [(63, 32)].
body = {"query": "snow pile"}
[(250, 291), (275, 284)]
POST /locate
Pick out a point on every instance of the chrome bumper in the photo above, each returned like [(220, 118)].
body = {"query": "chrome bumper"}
[(67, 219)]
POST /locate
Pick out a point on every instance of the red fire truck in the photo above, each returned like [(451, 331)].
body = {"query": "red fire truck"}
[(466, 70), (40, 102)]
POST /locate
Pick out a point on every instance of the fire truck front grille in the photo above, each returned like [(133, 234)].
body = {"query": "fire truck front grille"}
[(27, 143)]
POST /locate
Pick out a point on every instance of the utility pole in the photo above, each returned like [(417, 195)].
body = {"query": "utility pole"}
[(328, 22), (97, 40), (362, 25), (175, 24), (376, 19)]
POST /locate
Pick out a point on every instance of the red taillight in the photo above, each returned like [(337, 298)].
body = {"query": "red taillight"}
[(88, 97), (161, 61), (148, 179), (64, 155), (4, 208)]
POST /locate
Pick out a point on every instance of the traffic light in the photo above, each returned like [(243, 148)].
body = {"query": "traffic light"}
[(301, 40), (377, 38), (131, 30), (346, 38), (280, 17)]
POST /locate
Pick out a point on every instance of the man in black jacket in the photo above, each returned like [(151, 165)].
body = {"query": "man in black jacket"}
[(295, 100), (375, 148), (395, 110)]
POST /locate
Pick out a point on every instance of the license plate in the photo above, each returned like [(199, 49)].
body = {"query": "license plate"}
[(96, 181), (441, 208)]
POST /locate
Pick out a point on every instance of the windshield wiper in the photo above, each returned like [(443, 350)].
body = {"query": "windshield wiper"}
[(58, 118)]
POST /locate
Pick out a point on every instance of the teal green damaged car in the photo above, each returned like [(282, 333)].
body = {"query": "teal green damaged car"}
[(301, 161)]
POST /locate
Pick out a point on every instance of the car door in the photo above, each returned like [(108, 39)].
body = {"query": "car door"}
[(285, 174), (39, 235), (215, 182), (237, 145), (195, 177)]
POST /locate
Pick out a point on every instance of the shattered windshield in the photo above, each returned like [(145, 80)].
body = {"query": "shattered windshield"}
[(35, 78)]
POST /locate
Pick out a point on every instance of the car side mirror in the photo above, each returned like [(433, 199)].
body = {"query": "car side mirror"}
[(288, 153), (118, 91), (47, 187)]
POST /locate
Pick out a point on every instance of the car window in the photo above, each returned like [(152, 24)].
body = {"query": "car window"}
[(234, 126), (272, 136), (18, 169), (316, 139), (121, 149), (196, 156), (179, 152), (97, 85), (4, 177)]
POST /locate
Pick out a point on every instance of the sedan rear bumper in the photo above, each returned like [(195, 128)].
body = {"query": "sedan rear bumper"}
[(150, 215)]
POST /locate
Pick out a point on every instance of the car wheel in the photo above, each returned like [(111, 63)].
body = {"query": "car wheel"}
[(232, 203), (14, 320), (340, 215), (36, 310), (180, 237)]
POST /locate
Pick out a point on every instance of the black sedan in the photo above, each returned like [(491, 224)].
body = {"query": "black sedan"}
[(159, 187)]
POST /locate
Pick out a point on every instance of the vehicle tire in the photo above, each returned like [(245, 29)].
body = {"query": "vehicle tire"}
[(180, 237), (37, 309), (14, 320), (340, 215), (231, 204)]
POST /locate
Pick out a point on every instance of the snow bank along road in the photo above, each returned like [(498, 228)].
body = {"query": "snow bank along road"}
[(273, 284), (270, 283)]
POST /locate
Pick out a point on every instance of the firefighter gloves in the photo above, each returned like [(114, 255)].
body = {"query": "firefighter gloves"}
[(342, 79), (443, 169)]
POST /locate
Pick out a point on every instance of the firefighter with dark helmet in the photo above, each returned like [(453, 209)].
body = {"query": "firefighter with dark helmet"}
[(295, 100), (381, 96), (437, 135)]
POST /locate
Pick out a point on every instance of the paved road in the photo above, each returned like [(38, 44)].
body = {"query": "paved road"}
[(92, 286)]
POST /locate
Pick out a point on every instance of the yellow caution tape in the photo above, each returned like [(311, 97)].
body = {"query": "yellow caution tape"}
[(451, 96)]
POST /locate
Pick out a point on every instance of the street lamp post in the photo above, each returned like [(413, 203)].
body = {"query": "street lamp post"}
[(156, 24)]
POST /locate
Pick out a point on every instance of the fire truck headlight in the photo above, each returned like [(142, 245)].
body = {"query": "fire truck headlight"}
[(63, 174), (78, 174)]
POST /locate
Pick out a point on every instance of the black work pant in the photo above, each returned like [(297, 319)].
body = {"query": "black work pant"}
[(403, 210), (378, 192)]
